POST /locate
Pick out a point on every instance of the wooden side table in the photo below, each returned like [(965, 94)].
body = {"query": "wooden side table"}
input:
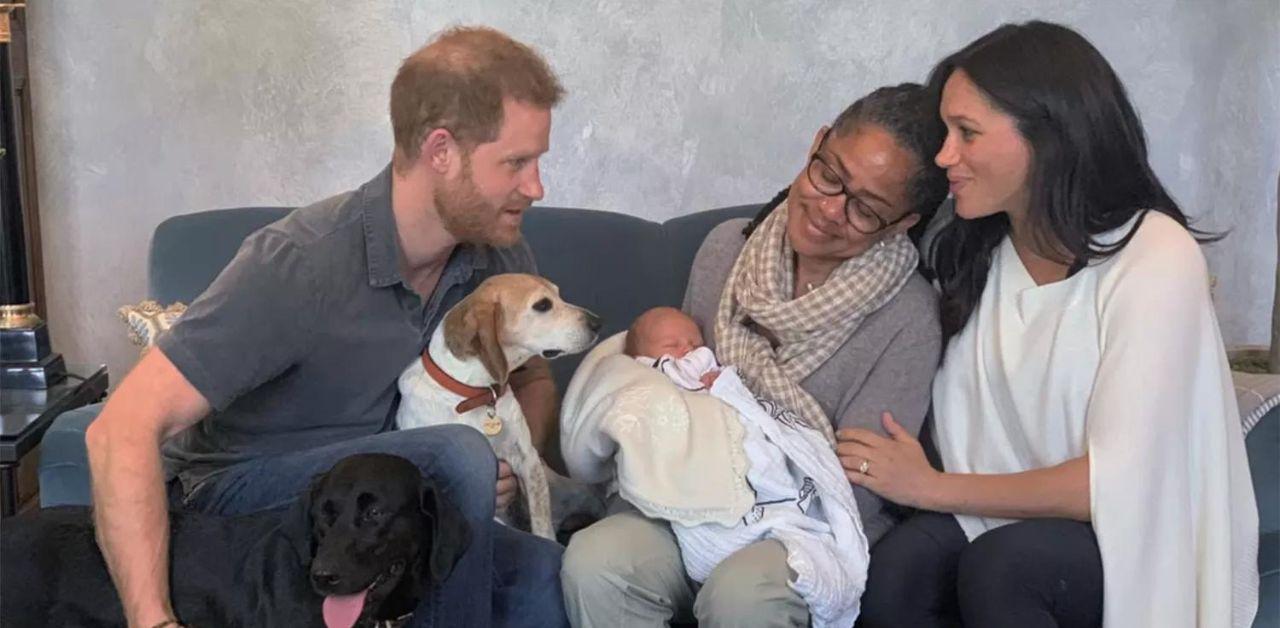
[(25, 415)]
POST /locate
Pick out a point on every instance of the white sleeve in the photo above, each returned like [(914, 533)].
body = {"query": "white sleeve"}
[(687, 372), (1171, 498)]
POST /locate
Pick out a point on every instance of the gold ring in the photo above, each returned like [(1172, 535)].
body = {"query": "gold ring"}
[(862, 468)]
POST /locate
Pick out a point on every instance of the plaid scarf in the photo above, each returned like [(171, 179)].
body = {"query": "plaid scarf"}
[(810, 328)]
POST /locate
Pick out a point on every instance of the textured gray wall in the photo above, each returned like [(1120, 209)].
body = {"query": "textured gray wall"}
[(149, 108)]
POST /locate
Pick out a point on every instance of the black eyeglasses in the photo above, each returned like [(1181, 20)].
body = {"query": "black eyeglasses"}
[(824, 179)]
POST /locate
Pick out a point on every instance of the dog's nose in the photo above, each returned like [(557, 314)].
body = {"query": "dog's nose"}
[(594, 322), (324, 580)]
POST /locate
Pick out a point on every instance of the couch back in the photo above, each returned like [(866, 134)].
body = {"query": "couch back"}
[(613, 264)]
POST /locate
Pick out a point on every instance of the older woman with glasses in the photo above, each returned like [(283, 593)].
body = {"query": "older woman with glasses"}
[(818, 305)]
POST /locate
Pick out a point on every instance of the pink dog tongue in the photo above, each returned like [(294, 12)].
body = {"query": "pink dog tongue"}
[(342, 611)]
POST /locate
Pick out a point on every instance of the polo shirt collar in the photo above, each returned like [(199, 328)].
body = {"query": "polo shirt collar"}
[(382, 249)]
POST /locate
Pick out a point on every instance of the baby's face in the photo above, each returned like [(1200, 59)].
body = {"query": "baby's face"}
[(669, 333)]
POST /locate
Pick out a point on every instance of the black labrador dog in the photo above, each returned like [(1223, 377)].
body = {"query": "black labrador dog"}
[(360, 546)]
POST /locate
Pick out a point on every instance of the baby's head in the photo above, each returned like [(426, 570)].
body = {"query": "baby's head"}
[(662, 331)]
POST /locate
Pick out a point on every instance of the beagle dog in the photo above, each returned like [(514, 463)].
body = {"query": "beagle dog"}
[(462, 376)]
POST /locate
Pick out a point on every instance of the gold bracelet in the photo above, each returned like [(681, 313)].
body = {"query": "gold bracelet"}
[(167, 622)]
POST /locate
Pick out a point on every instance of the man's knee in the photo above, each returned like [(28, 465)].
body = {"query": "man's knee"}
[(456, 447), (527, 580), (750, 588), (541, 560), (459, 459), (529, 563)]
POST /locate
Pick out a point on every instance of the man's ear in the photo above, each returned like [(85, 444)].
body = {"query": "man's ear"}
[(450, 532), (440, 149), (488, 341)]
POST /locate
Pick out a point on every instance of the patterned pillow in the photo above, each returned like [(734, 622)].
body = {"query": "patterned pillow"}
[(1257, 394), (148, 319)]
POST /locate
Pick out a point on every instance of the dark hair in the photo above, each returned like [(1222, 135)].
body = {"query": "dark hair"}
[(1089, 171), (909, 113)]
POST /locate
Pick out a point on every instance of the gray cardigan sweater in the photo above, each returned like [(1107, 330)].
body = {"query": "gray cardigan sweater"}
[(887, 364)]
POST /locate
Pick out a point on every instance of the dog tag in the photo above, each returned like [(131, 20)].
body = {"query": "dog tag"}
[(492, 426)]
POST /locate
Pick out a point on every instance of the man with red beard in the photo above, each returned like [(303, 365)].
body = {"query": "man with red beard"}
[(288, 362)]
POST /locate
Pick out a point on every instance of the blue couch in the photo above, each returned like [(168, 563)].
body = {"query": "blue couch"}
[(614, 264)]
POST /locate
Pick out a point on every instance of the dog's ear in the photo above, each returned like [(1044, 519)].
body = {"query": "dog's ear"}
[(296, 523), (474, 327), (460, 328), (488, 341), (450, 533), (313, 490)]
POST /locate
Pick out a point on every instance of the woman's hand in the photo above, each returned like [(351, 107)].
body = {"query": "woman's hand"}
[(894, 468)]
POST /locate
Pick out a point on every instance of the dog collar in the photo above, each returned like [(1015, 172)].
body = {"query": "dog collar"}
[(473, 397), (398, 622)]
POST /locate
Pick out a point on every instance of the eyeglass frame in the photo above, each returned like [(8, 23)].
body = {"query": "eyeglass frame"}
[(848, 197)]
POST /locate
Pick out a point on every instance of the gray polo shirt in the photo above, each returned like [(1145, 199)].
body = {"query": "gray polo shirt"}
[(299, 341)]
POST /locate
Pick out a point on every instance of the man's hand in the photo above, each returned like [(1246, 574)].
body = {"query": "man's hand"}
[(507, 486)]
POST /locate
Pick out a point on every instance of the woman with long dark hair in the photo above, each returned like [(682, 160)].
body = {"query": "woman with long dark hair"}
[(1095, 471)]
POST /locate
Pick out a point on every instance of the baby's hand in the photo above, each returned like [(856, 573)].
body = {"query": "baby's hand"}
[(710, 378)]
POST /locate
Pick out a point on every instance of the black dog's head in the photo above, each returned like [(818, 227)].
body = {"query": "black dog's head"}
[(381, 535)]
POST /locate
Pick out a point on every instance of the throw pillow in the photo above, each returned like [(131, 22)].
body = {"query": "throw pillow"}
[(148, 319), (1257, 394)]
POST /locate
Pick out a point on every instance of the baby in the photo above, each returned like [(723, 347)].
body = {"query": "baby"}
[(800, 499), (670, 341)]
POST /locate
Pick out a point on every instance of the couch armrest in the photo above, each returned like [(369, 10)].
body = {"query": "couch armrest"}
[(1263, 447), (64, 461)]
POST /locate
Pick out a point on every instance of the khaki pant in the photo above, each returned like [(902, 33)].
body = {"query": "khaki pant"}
[(626, 571)]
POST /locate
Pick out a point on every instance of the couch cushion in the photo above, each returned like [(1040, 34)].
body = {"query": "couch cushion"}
[(614, 264), (684, 235), (617, 265), (1269, 585), (602, 261), (64, 464), (1263, 447), (188, 251)]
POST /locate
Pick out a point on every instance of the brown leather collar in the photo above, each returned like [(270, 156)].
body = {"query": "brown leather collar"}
[(473, 397)]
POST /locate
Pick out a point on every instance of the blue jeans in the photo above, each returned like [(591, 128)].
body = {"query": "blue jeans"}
[(505, 578)]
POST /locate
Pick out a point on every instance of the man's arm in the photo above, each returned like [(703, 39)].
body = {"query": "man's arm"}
[(254, 321), (153, 403)]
